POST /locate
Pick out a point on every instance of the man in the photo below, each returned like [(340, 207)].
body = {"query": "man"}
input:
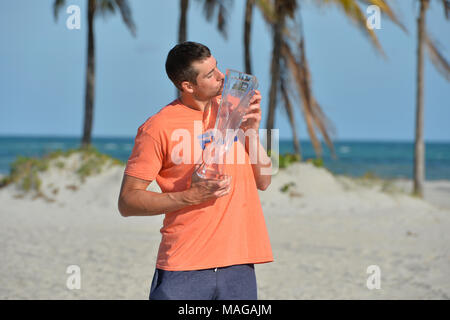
[(214, 230)]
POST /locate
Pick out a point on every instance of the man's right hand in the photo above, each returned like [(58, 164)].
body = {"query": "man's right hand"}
[(202, 190)]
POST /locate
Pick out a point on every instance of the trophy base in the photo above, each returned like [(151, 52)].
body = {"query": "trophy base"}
[(210, 173)]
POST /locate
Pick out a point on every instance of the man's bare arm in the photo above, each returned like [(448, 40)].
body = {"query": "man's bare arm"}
[(135, 200), (263, 161)]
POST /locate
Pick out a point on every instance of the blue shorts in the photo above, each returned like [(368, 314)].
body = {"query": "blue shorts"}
[(236, 282)]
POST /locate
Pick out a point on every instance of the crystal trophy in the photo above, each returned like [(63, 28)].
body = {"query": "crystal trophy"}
[(237, 91)]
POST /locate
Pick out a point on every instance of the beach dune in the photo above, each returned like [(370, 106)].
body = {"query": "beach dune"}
[(325, 230)]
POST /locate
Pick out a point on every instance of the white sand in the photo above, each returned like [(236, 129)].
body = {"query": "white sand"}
[(325, 231)]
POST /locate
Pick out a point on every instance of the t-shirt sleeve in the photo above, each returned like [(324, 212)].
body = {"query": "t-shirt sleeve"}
[(146, 158)]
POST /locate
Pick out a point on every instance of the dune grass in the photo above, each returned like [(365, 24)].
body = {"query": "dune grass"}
[(24, 171)]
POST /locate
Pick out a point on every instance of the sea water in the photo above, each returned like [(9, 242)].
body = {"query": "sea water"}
[(386, 159)]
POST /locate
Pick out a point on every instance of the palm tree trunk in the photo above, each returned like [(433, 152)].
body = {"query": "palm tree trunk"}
[(275, 70), (90, 78), (183, 20), (182, 28), (247, 35), (419, 147)]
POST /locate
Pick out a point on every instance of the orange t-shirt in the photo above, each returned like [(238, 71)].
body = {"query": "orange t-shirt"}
[(225, 231)]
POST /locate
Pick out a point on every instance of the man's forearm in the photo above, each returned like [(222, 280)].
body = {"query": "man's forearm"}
[(261, 163), (148, 203)]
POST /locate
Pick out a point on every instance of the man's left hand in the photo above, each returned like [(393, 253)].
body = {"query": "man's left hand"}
[(252, 118)]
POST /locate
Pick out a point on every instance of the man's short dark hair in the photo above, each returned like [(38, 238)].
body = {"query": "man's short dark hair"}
[(179, 62)]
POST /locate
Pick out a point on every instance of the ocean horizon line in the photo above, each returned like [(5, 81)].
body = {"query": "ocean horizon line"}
[(302, 140), (355, 157)]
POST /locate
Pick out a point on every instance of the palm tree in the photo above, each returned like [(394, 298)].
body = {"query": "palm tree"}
[(209, 8), (94, 7), (281, 9), (184, 4), (247, 34), (265, 7), (289, 62), (443, 66)]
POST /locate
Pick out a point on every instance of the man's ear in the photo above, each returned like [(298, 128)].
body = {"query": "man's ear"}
[(186, 86)]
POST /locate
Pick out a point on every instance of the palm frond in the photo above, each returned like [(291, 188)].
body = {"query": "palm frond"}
[(57, 5), (311, 110), (109, 7), (298, 70), (357, 16), (302, 81), (222, 20), (446, 4), (105, 7), (267, 10), (386, 9), (221, 6), (127, 18), (324, 125), (438, 60), (208, 8), (290, 113)]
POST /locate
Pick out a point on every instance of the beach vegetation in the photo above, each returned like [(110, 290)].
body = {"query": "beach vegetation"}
[(93, 162), (288, 158), (368, 179), (60, 164), (284, 160), (25, 171), (317, 162), (285, 188), (371, 179)]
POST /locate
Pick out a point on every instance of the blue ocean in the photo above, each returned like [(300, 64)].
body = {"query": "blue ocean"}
[(354, 158)]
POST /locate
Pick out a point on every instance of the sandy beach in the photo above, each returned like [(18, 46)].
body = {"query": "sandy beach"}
[(325, 232)]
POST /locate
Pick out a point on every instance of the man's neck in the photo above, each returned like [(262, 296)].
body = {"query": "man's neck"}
[(193, 103)]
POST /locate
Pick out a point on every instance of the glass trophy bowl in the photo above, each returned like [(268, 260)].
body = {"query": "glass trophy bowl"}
[(237, 91)]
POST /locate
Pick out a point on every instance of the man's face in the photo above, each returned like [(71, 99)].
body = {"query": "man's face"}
[(209, 79)]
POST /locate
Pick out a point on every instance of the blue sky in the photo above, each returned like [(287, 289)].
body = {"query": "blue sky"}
[(42, 69)]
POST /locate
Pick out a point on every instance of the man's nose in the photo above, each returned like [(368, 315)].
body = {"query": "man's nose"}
[(221, 76)]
